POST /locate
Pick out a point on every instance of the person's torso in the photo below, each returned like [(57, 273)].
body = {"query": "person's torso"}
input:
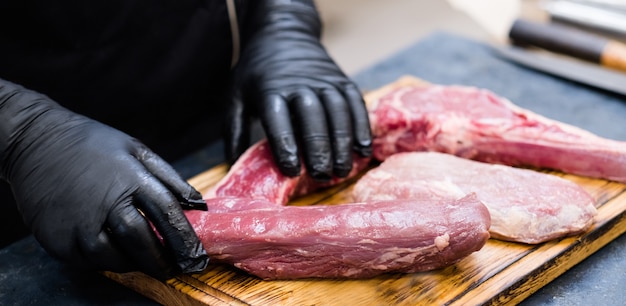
[(152, 68)]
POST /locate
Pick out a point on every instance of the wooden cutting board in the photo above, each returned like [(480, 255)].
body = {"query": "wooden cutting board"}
[(500, 273)]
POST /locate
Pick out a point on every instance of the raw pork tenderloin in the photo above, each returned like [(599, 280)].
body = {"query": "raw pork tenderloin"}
[(354, 240)]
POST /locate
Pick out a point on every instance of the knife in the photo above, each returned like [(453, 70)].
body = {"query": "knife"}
[(501, 19), (577, 71), (570, 41), (500, 22)]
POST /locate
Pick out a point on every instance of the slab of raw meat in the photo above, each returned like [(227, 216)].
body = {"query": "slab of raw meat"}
[(525, 205), (477, 124), (353, 240)]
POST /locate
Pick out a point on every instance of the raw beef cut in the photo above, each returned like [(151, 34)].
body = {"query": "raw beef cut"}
[(477, 124), (525, 205), (255, 176), (248, 226), (353, 240)]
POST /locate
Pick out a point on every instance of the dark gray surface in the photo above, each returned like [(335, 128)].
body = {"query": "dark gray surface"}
[(29, 277)]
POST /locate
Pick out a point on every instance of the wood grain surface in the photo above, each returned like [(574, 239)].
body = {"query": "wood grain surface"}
[(500, 273)]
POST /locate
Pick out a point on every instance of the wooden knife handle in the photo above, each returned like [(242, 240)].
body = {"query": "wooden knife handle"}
[(614, 55), (570, 41)]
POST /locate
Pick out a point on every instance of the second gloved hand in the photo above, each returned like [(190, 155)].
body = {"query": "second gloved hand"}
[(91, 194), (286, 78)]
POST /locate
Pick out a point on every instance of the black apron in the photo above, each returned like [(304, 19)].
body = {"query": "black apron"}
[(155, 69)]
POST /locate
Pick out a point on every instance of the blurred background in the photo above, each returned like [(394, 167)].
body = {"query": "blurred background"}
[(359, 33)]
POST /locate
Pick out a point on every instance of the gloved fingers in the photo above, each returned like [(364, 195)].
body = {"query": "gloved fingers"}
[(132, 234), (237, 131), (276, 120), (311, 117), (362, 133), (340, 123), (187, 196), (161, 207)]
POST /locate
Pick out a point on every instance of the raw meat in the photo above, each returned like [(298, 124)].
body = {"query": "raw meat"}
[(353, 240), (255, 176), (476, 124), (248, 226), (525, 205)]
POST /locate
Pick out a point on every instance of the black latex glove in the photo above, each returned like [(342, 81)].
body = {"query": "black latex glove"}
[(89, 192), (287, 79)]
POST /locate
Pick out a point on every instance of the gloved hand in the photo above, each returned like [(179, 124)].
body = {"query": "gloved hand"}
[(287, 79), (91, 194)]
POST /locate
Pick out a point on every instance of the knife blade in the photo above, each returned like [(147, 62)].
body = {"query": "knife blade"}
[(592, 14), (577, 71)]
